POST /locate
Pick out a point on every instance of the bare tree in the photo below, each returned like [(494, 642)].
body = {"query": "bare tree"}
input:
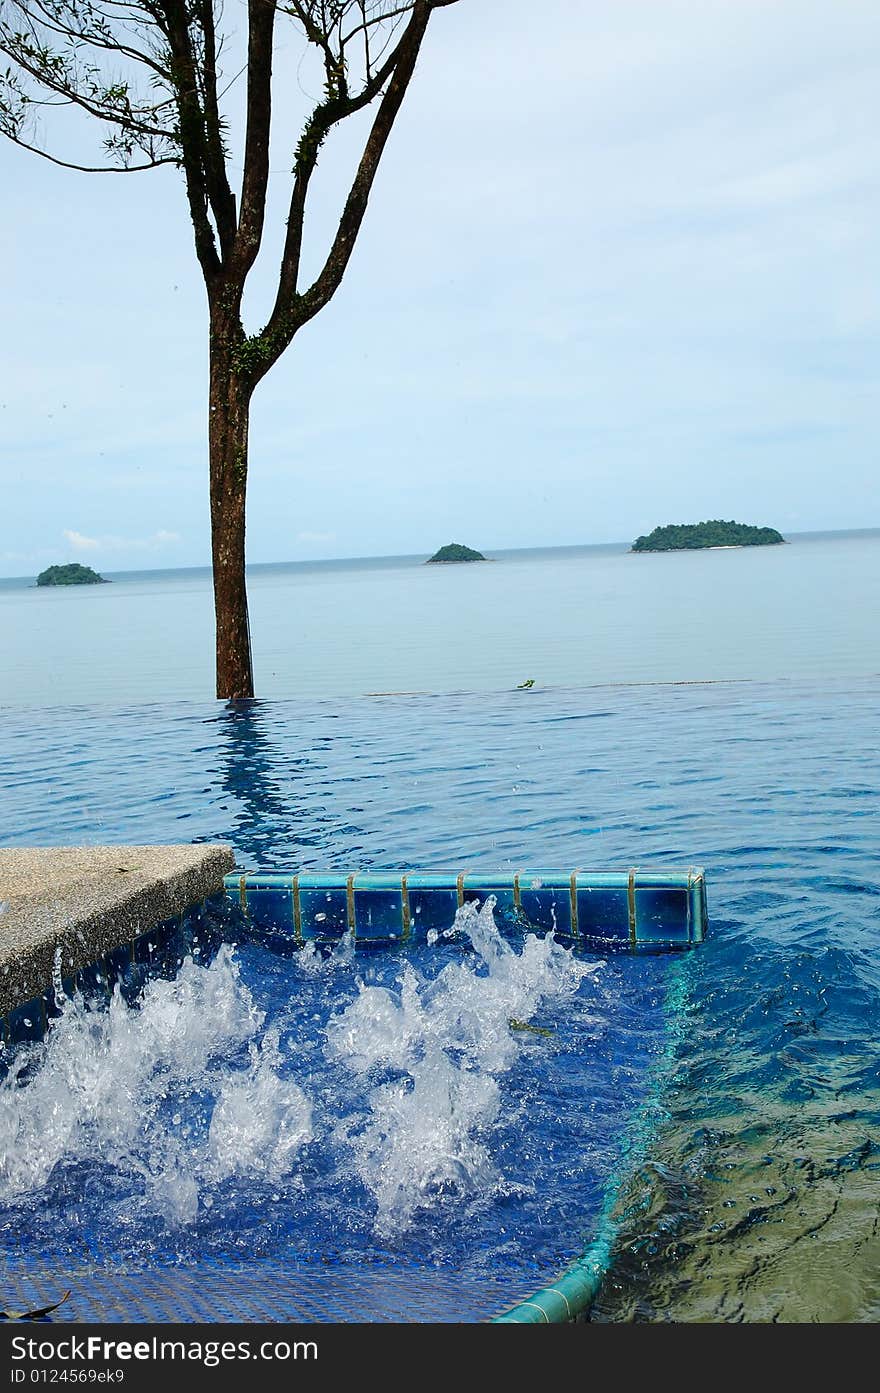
[(149, 73)]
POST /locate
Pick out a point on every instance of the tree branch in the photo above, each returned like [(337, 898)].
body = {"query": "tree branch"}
[(367, 24), (325, 115), (107, 40), (99, 105), (219, 193), (334, 66), (92, 169), (327, 282), (192, 135), (255, 180), (59, 51)]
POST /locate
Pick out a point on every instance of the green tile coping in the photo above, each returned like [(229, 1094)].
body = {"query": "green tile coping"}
[(636, 909), (575, 1290)]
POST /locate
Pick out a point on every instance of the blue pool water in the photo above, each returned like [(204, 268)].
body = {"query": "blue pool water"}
[(756, 1196), (336, 1112)]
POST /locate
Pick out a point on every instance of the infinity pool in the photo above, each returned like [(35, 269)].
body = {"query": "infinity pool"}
[(754, 1196)]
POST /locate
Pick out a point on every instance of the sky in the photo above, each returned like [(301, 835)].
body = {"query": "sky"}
[(620, 267)]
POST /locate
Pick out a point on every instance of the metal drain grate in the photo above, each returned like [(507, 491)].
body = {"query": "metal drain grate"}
[(267, 1293)]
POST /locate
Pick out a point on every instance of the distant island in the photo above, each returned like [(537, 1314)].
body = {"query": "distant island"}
[(455, 552), (71, 574), (691, 536)]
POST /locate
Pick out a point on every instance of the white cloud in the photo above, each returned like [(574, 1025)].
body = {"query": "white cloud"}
[(158, 539), (81, 543), (316, 536)]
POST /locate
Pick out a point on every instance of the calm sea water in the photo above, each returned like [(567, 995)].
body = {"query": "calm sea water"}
[(757, 1198), (565, 617)]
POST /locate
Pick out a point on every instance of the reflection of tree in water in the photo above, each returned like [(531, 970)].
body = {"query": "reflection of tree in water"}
[(262, 789)]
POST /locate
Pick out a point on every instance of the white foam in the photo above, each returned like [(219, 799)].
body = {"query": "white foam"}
[(188, 1087), (100, 1084), (449, 1039)]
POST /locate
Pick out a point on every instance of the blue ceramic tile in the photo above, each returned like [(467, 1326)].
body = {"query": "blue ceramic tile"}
[(271, 908), (118, 961), (324, 880), (48, 1008), (433, 880), (145, 948), (603, 902), (195, 913), (431, 910), (198, 919), (225, 912), (603, 914), (661, 915), (378, 913), (545, 880), (699, 913), (378, 880), (480, 887), (131, 983), (174, 945), (92, 982), (488, 882), (324, 912), (546, 909), (603, 880)]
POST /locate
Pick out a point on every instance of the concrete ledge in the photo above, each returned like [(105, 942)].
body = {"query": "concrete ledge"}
[(90, 900)]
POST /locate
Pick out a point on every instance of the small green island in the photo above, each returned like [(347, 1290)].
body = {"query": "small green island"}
[(71, 574), (455, 552), (692, 536)]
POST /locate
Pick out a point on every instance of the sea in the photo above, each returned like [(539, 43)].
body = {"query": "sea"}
[(717, 709), (568, 616)]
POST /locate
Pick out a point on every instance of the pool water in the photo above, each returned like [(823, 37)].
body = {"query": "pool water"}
[(446, 1109), (755, 1194)]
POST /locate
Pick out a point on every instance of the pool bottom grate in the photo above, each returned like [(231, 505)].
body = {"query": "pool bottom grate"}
[(262, 1293)]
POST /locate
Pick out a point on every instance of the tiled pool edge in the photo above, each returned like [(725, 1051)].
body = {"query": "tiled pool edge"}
[(89, 904), (675, 917), (630, 910), (619, 910)]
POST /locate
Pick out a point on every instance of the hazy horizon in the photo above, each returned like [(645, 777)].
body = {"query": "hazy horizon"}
[(817, 533)]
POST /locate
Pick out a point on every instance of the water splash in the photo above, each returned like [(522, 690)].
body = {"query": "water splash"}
[(444, 1042), (57, 984), (181, 1108), (139, 1090)]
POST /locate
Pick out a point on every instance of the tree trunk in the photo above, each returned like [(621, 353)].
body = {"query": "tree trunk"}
[(229, 407)]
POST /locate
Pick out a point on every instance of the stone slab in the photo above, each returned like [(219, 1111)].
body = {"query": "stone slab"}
[(90, 900)]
